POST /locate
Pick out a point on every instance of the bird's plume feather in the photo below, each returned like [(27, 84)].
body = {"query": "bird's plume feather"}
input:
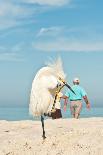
[(44, 87)]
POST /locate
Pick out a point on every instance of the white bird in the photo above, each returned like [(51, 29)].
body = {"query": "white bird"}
[(44, 89)]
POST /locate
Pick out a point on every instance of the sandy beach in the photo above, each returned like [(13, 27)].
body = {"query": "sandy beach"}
[(64, 137)]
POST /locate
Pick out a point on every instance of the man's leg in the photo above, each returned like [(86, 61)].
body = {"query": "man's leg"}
[(73, 115), (77, 115), (78, 107), (72, 109)]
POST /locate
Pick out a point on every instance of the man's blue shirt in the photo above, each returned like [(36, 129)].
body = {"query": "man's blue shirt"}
[(79, 91)]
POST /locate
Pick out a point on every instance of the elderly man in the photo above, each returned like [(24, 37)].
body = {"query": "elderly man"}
[(76, 99)]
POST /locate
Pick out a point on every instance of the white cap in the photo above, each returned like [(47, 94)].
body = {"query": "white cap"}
[(76, 80)]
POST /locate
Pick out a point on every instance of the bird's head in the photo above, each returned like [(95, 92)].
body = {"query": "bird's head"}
[(57, 75)]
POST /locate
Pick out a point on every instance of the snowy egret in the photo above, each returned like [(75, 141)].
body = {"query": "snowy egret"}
[(47, 83)]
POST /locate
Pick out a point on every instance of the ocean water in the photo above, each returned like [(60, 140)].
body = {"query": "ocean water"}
[(22, 113)]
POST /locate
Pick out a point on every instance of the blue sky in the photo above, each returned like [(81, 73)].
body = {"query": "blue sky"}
[(33, 31)]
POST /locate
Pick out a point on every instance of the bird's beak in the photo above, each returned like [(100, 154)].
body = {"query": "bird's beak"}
[(70, 88), (66, 85)]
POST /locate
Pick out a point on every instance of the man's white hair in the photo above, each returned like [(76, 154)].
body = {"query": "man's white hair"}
[(76, 80)]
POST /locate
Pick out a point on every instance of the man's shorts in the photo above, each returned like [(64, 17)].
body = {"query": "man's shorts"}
[(75, 107)]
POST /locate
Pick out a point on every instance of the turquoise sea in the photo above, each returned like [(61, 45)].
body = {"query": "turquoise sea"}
[(22, 113)]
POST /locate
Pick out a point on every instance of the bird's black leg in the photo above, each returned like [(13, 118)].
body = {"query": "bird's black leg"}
[(42, 121)]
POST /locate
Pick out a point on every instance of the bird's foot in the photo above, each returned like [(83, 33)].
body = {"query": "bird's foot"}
[(44, 137), (48, 114)]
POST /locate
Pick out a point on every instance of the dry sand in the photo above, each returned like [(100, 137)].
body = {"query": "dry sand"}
[(64, 137)]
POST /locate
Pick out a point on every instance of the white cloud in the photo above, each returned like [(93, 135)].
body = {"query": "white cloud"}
[(49, 2), (2, 48), (13, 14), (10, 10), (65, 44), (69, 39), (8, 23), (52, 31), (18, 47), (13, 53), (7, 8), (10, 56)]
